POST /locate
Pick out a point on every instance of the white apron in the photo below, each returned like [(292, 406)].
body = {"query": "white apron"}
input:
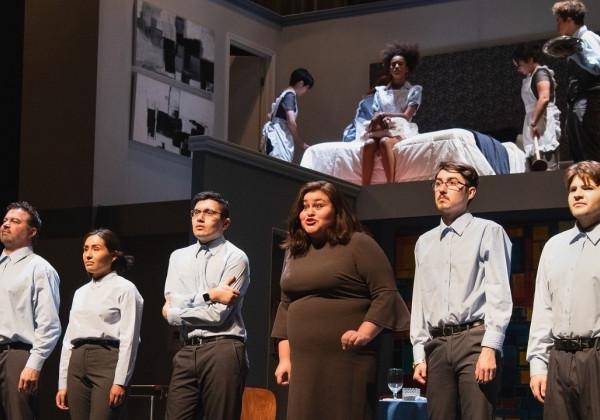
[(276, 133), (548, 126)]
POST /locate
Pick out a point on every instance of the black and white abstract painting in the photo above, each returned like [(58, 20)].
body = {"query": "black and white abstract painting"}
[(174, 47), (165, 116)]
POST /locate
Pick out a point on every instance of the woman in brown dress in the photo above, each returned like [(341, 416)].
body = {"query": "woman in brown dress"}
[(338, 294)]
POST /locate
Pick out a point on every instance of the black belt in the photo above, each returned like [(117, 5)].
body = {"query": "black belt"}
[(576, 344), (15, 345), (453, 329), (198, 341), (78, 342)]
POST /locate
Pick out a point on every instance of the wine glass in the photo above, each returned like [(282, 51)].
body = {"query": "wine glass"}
[(395, 380)]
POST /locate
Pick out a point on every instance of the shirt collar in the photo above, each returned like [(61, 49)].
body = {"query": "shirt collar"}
[(580, 31), (593, 235), (102, 280), (458, 225), (211, 247), (18, 254)]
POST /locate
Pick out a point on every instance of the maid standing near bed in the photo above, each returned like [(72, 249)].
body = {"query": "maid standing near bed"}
[(542, 117), (393, 105)]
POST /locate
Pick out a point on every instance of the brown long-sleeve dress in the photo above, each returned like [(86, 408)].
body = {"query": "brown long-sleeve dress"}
[(326, 292)]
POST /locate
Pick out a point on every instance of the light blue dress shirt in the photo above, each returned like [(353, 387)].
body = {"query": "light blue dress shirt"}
[(461, 275), (109, 308), (192, 272), (589, 56), (29, 300), (567, 294)]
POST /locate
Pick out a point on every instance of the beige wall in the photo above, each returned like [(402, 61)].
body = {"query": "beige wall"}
[(338, 52), (127, 172)]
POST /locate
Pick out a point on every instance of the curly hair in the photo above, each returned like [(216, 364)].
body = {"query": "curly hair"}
[(409, 51), (339, 233)]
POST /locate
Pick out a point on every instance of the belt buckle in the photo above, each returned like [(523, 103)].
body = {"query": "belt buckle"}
[(572, 344)]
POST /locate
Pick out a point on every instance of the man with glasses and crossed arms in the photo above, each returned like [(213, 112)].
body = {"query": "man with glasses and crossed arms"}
[(461, 302), (204, 292)]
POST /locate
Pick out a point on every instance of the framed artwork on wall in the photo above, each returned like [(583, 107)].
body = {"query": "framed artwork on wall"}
[(164, 116), (174, 47)]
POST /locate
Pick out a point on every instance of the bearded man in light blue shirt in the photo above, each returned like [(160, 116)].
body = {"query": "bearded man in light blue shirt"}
[(564, 339), (29, 323), (461, 302)]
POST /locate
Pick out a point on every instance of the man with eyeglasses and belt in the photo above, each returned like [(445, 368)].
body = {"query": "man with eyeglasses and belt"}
[(564, 338), (461, 302), (204, 291), (29, 323)]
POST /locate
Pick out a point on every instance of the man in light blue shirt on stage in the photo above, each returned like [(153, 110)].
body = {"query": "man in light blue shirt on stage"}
[(204, 291), (564, 339), (461, 302), (29, 323)]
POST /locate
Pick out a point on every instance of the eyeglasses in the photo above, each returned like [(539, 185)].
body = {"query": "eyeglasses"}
[(204, 212), (451, 183)]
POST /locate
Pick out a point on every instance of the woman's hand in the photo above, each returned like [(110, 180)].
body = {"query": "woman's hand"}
[(283, 373), (352, 339), (61, 399), (361, 337), (116, 396)]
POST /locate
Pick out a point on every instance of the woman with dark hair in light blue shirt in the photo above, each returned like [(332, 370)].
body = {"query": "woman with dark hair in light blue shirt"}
[(102, 338)]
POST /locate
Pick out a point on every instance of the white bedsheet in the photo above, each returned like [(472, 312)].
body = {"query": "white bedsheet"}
[(417, 157)]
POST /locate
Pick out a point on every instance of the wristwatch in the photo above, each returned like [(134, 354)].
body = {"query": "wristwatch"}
[(206, 297)]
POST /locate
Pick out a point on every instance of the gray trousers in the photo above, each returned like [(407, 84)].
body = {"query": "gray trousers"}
[(89, 379), (15, 404), (573, 385), (452, 392), (208, 381)]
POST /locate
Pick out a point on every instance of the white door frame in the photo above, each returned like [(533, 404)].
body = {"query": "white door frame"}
[(268, 92)]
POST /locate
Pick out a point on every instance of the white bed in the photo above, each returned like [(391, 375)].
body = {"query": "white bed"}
[(417, 157)]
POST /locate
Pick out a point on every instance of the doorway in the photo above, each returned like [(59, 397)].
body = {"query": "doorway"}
[(250, 86)]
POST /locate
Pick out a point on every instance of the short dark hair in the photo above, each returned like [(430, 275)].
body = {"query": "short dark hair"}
[(468, 172), (586, 170), (524, 52), (34, 220), (340, 232), (410, 53), (302, 75), (570, 9), (122, 262), (211, 195)]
